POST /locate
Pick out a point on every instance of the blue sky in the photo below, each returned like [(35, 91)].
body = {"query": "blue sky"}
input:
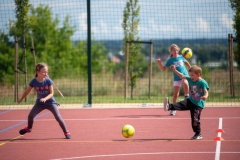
[(158, 18)]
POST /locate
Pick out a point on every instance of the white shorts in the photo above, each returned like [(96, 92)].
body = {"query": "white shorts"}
[(177, 83)]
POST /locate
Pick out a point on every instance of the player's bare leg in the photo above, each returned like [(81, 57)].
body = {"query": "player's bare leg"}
[(176, 90)]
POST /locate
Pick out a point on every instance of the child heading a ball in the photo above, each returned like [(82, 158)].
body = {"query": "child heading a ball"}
[(179, 62), (197, 99)]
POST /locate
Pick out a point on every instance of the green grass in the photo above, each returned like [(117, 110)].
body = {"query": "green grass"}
[(109, 88), (113, 99)]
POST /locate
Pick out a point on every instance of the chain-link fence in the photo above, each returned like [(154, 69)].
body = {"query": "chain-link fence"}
[(59, 33)]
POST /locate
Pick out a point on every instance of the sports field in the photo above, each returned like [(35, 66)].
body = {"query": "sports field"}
[(114, 55), (96, 134)]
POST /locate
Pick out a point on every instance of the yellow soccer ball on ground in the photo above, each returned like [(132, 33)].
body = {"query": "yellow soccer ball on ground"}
[(128, 131)]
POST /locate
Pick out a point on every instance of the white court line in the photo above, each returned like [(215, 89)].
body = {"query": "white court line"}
[(135, 154), (218, 145), (117, 118)]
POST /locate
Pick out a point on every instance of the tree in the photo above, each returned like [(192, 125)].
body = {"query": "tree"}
[(130, 27), (6, 59), (235, 4), (53, 45), (22, 7)]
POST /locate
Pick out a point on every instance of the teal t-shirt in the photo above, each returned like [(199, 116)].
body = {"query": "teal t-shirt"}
[(179, 64), (196, 90)]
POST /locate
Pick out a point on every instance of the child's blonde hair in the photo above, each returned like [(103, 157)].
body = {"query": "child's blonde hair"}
[(39, 66), (173, 46), (195, 69)]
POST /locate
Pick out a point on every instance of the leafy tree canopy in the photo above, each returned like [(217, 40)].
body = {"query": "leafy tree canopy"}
[(235, 4), (53, 45)]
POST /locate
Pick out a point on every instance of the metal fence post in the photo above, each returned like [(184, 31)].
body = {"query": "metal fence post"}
[(230, 52), (89, 53), (126, 68), (16, 70), (150, 70)]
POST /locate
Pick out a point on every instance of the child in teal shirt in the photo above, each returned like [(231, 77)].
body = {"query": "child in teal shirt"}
[(179, 62), (196, 101)]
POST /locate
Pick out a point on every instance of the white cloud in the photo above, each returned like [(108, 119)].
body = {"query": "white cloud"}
[(60, 3), (83, 21), (226, 21), (103, 27), (94, 30), (153, 25), (118, 28), (83, 25), (141, 28), (160, 28), (167, 28), (199, 25)]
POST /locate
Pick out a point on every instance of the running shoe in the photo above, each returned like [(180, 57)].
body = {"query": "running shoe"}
[(68, 135), (24, 130), (197, 136), (173, 113)]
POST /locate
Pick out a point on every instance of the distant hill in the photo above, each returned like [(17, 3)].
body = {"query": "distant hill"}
[(204, 49)]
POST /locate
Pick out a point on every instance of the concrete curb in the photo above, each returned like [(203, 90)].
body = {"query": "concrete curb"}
[(118, 105)]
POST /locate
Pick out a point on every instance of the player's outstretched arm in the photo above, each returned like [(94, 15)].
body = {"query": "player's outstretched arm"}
[(178, 73), (26, 92), (159, 61), (188, 64)]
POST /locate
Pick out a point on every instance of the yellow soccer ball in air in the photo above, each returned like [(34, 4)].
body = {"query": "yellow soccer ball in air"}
[(128, 131), (187, 52)]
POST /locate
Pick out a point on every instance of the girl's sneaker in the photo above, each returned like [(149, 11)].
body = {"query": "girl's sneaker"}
[(68, 135), (24, 130)]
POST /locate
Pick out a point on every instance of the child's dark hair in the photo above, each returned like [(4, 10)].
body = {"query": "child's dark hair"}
[(39, 66), (195, 69)]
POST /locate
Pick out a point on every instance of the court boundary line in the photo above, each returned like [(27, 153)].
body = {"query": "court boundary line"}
[(135, 154), (134, 105), (119, 118), (26, 141), (5, 111), (22, 122), (10, 140), (218, 144)]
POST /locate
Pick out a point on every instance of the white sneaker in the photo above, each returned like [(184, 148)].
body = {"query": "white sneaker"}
[(173, 113), (197, 136), (165, 104)]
